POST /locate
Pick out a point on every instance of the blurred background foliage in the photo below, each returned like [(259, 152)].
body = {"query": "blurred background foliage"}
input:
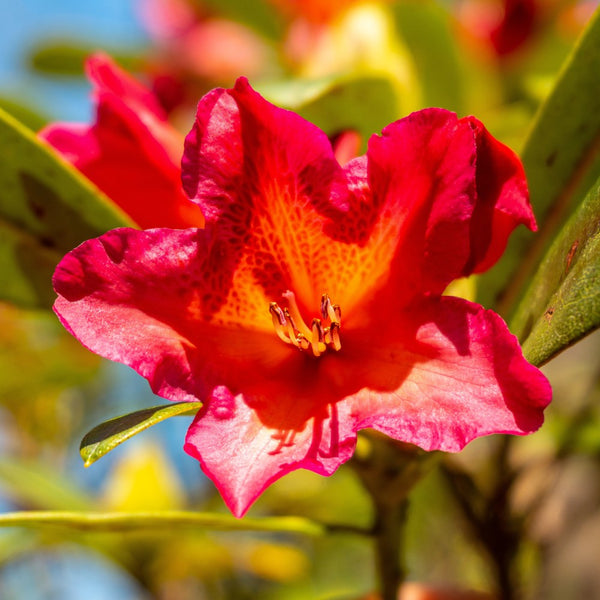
[(523, 510)]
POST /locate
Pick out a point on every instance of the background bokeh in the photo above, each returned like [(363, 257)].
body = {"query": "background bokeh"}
[(354, 69)]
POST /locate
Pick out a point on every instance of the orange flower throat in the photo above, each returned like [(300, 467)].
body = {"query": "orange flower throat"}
[(321, 335)]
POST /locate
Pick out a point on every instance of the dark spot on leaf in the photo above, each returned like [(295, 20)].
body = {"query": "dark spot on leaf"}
[(551, 158), (571, 255), (64, 226), (549, 313)]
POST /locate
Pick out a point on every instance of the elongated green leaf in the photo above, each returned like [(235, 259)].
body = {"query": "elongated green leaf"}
[(562, 161), (30, 115), (426, 29), (258, 15), (168, 519), (107, 436), (46, 209), (562, 303), (339, 104), (67, 57)]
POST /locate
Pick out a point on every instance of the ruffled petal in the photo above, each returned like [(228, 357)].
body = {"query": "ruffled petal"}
[(435, 200), (502, 200), (243, 454), (461, 375), (130, 153), (405, 227), (139, 297), (422, 171)]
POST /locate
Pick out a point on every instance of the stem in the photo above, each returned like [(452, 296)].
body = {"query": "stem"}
[(388, 470), (169, 519), (492, 522), (388, 531)]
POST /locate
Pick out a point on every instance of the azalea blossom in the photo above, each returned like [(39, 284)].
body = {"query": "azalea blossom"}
[(131, 152), (310, 306)]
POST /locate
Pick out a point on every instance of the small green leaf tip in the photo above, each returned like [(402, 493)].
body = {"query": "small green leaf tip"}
[(108, 435)]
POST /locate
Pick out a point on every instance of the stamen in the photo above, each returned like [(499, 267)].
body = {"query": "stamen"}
[(317, 341), (303, 343), (335, 336), (337, 311), (330, 311), (295, 313), (279, 322), (291, 328)]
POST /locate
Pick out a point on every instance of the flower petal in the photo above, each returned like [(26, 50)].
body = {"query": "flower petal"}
[(436, 200), (140, 298), (464, 376), (131, 153), (502, 200), (263, 177), (243, 455)]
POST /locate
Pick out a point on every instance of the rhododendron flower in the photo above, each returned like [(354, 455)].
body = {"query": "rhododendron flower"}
[(311, 305), (131, 152)]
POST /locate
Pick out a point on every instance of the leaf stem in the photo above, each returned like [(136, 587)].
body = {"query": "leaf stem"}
[(170, 519)]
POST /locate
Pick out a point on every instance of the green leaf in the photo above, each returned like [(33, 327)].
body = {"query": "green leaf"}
[(425, 28), (67, 57), (562, 303), (29, 115), (47, 208), (258, 15), (562, 162), (336, 105), (107, 436)]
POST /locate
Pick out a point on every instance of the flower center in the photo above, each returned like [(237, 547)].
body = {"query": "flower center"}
[(291, 328)]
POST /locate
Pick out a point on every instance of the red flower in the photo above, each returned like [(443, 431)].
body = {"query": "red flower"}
[(131, 153), (310, 306)]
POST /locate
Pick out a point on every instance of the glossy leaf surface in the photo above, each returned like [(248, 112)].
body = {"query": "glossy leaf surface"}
[(562, 162), (338, 105), (46, 209), (107, 436)]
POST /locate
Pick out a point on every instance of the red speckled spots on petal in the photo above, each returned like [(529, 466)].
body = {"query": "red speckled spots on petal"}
[(263, 176), (138, 297)]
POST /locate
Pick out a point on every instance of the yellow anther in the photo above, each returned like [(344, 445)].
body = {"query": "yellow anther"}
[(292, 331)]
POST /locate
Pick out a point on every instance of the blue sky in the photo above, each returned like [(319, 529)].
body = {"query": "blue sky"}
[(23, 23)]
